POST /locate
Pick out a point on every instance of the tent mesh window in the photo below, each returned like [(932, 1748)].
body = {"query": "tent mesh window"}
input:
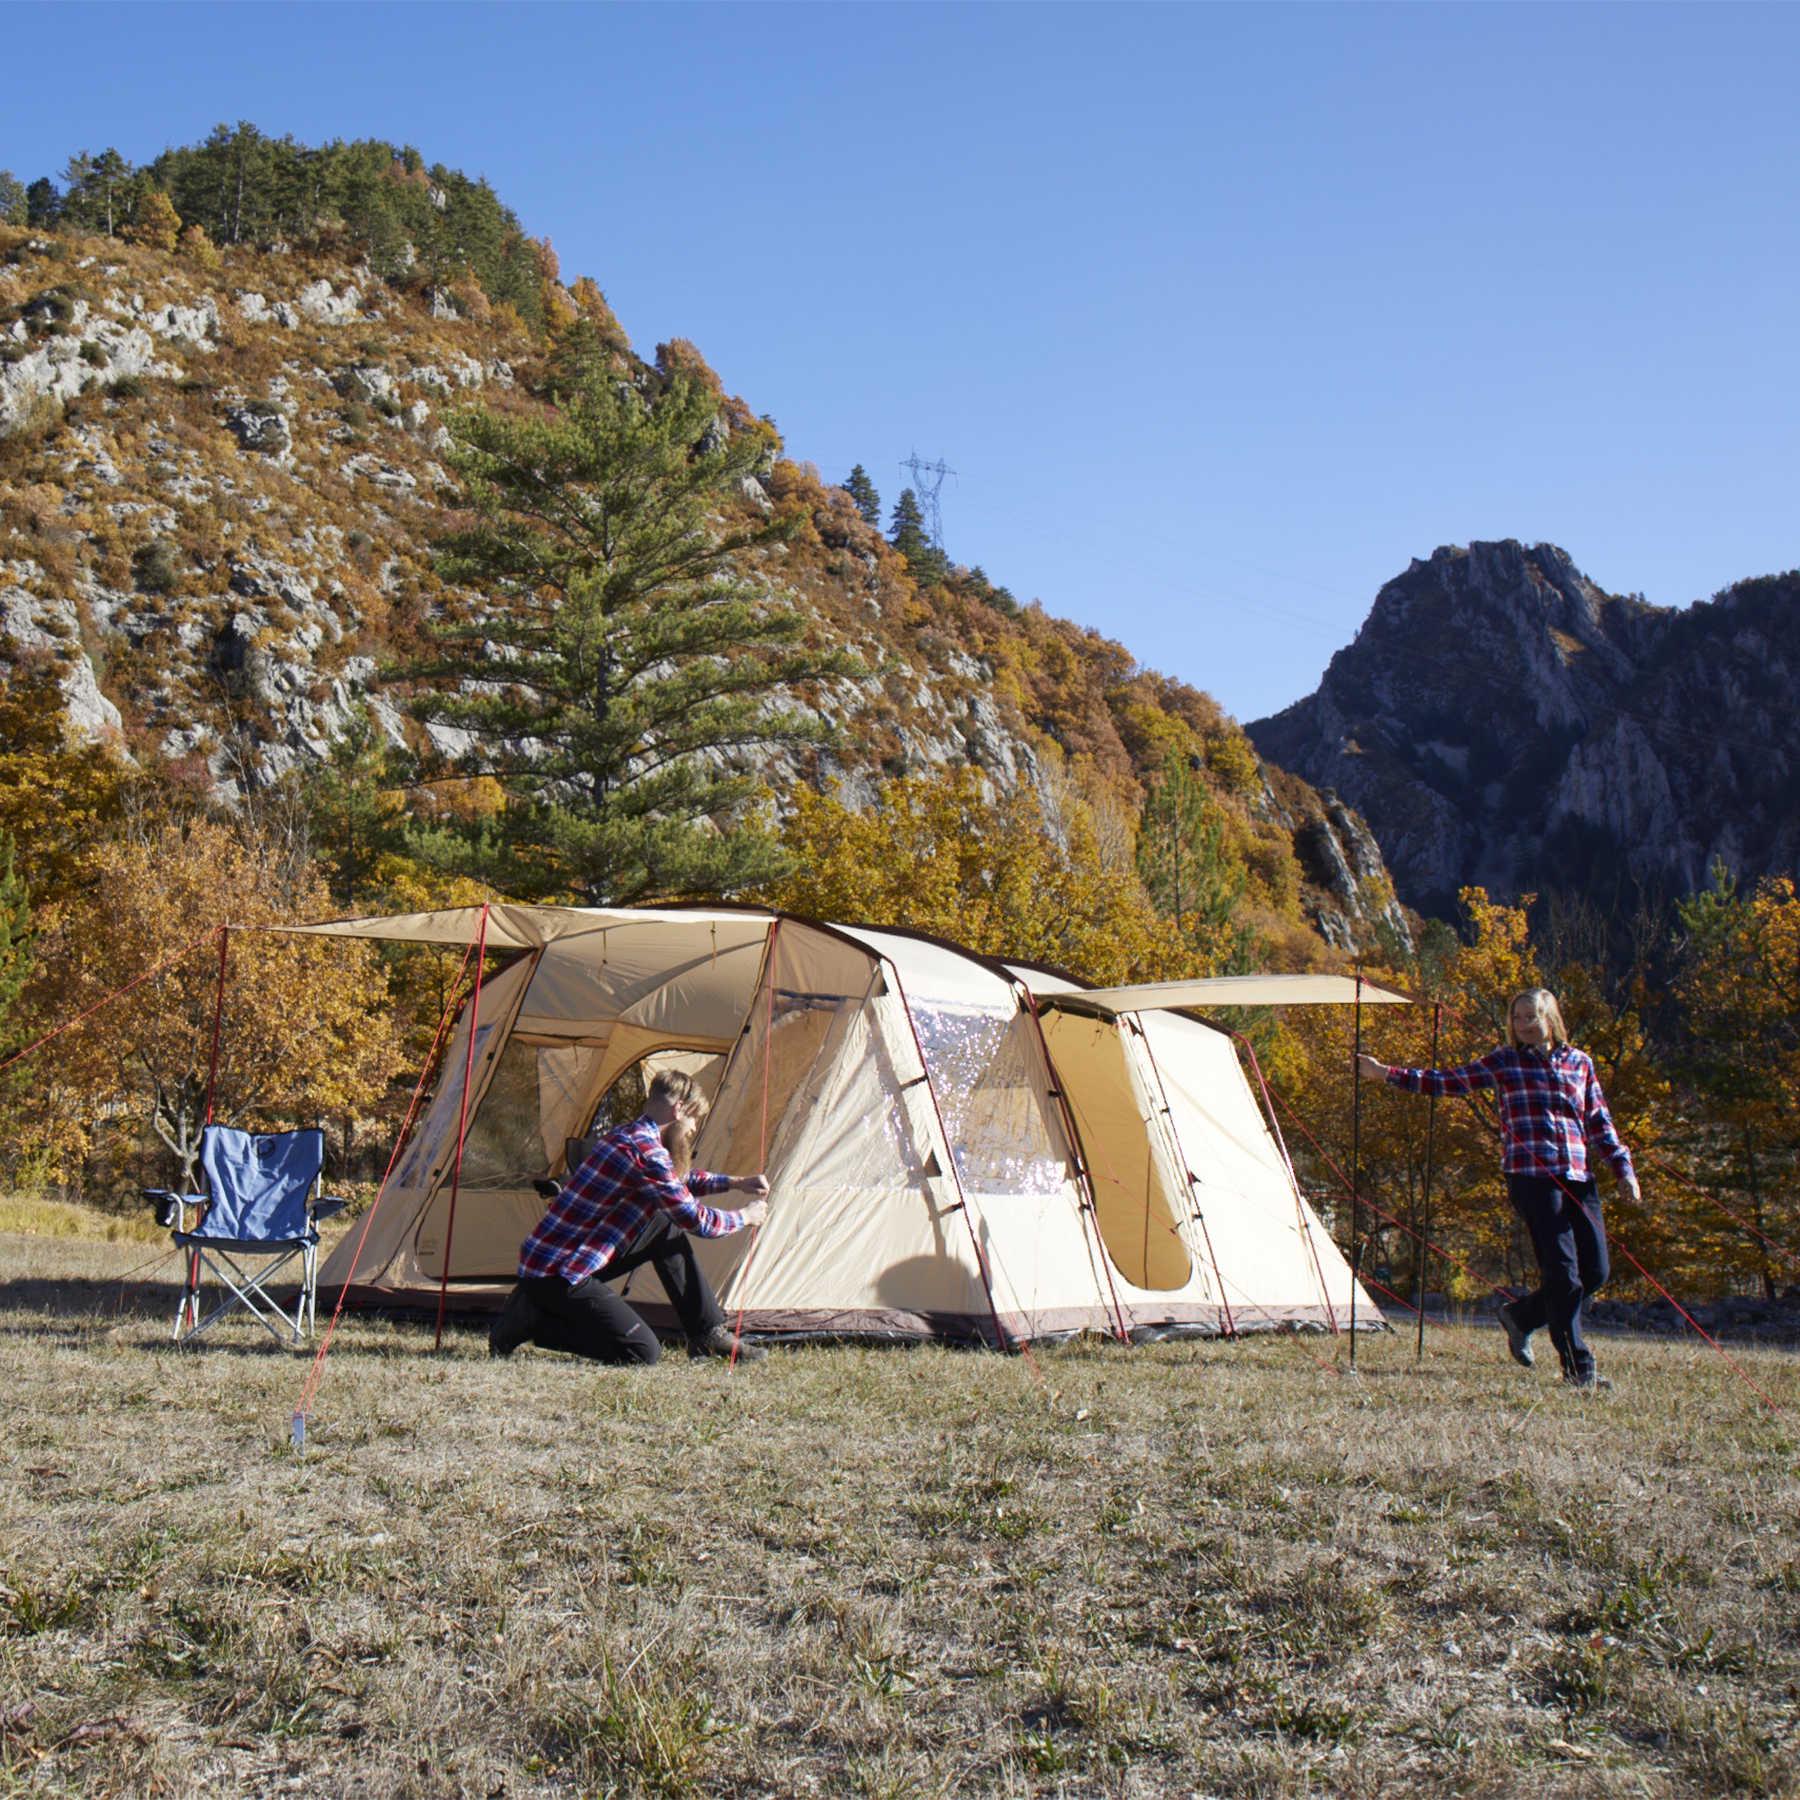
[(505, 1145), (433, 1143), (981, 1068), (763, 1083)]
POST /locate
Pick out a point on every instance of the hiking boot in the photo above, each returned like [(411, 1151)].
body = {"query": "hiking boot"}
[(1518, 1339), (1589, 1383), (721, 1341), (517, 1320)]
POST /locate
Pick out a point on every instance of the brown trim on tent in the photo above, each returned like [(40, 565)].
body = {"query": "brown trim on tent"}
[(874, 1322)]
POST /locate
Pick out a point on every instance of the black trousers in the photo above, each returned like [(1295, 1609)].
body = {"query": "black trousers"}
[(591, 1319), (1569, 1237)]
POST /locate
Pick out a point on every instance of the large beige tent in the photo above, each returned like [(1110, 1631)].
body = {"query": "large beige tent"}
[(957, 1149)]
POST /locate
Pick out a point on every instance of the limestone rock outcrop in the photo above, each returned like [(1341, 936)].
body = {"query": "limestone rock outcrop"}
[(1501, 720)]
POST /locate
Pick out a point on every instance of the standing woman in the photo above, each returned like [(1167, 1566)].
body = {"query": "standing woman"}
[(1551, 1112)]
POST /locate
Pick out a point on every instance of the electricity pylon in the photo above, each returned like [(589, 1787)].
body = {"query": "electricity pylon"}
[(926, 493)]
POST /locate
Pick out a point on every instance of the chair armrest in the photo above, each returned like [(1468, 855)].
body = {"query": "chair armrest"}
[(328, 1206), (547, 1188), (170, 1207)]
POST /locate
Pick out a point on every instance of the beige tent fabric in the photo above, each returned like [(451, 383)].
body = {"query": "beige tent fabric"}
[(1272, 1253), (597, 979), (909, 1110), (1140, 1198)]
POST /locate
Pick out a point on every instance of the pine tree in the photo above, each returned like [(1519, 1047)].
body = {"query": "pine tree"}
[(112, 177), (12, 199), (862, 490), (77, 204), (906, 530), (43, 204), (620, 657), (908, 535), (354, 811), (1193, 874)]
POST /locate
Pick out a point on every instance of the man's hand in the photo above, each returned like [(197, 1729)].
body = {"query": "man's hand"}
[(752, 1184), (1630, 1189), (1367, 1065), (755, 1212)]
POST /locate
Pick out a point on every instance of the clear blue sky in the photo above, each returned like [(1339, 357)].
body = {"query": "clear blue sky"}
[(1221, 314)]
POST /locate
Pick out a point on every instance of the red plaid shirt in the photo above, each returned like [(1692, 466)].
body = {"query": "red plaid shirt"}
[(602, 1208), (1551, 1108)]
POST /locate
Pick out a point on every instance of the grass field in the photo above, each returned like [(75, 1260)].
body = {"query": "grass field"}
[(1181, 1569)]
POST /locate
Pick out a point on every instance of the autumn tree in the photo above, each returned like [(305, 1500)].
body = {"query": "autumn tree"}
[(862, 490), (156, 225), (1309, 1060), (617, 659), (58, 798), (1738, 989), (939, 855), (15, 932), (304, 1033)]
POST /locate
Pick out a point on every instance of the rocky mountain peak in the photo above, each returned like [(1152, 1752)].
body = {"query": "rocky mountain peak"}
[(1501, 719)]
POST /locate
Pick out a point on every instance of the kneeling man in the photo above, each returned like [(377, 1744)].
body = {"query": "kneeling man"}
[(626, 1206)]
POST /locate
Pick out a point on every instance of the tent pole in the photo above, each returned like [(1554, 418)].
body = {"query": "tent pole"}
[(462, 1124), (1356, 1165), (762, 1140), (1437, 1011)]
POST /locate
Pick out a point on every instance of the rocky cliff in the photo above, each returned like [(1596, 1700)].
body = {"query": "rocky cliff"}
[(220, 480), (1501, 720)]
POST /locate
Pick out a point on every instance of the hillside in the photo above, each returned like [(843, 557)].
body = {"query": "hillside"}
[(1501, 720), (221, 478)]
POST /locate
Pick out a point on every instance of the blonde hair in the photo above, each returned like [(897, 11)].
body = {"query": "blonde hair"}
[(1543, 1003), (678, 1139)]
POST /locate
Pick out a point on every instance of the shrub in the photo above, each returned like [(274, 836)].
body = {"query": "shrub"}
[(200, 248), (156, 567)]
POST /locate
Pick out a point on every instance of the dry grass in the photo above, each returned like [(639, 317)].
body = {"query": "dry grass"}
[(1187, 1569), (62, 1218)]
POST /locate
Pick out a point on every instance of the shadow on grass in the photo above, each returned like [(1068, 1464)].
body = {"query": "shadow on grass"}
[(88, 1296), (79, 1303)]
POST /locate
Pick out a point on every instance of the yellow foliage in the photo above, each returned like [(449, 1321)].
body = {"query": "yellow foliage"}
[(306, 1028), (157, 225), (200, 248), (1232, 757), (56, 799), (938, 856)]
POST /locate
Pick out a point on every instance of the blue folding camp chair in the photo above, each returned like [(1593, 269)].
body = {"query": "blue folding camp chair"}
[(260, 1202)]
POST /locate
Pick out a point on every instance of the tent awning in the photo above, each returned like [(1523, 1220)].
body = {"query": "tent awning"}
[(1226, 990), (514, 927)]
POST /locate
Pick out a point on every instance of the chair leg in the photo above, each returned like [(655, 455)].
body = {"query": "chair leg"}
[(189, 1303), (250, 1291)]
